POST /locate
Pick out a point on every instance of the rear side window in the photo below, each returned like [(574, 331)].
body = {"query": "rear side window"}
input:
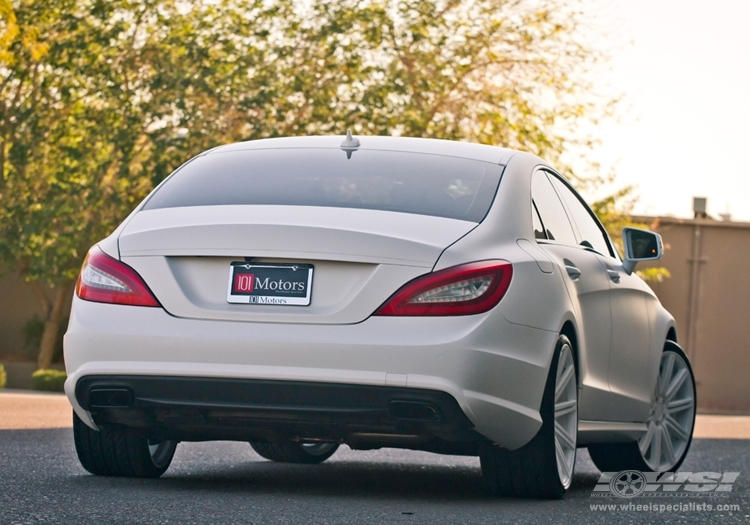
[(377, 180), (537, 223), (583, 218), (557, 227)]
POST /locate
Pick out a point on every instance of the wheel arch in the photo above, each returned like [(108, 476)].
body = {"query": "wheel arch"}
[(569, 331), (672, 334)]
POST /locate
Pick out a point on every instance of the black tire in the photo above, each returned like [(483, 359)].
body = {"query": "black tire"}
[(294, 452), (116, 450), (617, 457), (531, 471)]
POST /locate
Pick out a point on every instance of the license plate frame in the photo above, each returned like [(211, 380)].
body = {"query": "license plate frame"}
[(270, 284)]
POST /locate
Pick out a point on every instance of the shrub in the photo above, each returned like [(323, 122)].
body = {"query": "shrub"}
[(3, 376), (48, 380)]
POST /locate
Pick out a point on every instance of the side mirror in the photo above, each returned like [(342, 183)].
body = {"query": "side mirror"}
[(640, 245)]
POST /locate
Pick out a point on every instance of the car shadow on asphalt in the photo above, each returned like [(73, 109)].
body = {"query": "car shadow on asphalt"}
[(203, 469), (421, 476)]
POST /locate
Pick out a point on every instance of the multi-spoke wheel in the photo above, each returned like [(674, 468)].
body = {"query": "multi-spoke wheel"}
[(670, 424), (543, 468), (566, 415), (293, 452)]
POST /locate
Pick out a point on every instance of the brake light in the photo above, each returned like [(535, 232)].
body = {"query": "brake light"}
[(107, 280), (462, 290)]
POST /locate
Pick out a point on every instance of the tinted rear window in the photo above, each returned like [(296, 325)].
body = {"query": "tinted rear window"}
[(376, 180)]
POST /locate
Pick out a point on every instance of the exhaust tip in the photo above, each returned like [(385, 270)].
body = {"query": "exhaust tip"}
[(110, 398), (415, 411)]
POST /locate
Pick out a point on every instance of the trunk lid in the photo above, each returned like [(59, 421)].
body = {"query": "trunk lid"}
[(360, 257)]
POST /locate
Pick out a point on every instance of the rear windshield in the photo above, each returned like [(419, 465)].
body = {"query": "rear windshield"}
[(374, 180)]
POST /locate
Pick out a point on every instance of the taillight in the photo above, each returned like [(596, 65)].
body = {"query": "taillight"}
[(107, 280), (462, 290)]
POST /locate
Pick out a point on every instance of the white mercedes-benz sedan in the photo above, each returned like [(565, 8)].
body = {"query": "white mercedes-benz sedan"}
[(303, 293)]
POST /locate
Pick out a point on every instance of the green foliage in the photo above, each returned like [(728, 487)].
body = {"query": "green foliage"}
[(48, 380), (3, 376), (32, 336), (100, 100), (614, 211), (655, 275)]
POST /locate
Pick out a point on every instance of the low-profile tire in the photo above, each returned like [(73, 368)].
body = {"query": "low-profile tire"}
[(670, 423), (117, 450), (294, 452), (543, 468)]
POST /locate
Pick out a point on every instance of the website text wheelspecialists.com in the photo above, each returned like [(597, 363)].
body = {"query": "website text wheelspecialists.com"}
[(665, 507)]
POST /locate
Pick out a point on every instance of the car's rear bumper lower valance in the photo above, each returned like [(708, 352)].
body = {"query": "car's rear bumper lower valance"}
[(203, 408)]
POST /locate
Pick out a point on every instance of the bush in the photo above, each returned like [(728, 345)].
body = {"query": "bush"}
[(48, 380), (3, 376)]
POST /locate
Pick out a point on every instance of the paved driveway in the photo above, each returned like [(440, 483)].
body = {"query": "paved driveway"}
[(41, 482)]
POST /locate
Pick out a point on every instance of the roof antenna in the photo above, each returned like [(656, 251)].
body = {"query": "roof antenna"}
[(350, 145)]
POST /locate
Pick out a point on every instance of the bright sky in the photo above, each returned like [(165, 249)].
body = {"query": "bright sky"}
[(684, 68)]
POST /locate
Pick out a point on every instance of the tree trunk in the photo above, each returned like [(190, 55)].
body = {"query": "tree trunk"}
[(52, 326)]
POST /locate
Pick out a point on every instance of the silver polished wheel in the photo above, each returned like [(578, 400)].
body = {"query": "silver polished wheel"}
[(670, 423), (161, 452), (566, 415), (543, 467)]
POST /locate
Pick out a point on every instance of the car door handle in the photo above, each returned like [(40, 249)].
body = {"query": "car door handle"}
[(615, 276), (572, 270)]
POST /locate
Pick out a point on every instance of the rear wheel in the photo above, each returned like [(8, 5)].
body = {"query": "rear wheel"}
[(543, 468), (294, 452), (670, 424), (116, 450)]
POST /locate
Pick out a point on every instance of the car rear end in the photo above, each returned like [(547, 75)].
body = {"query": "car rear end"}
[(285, 290)]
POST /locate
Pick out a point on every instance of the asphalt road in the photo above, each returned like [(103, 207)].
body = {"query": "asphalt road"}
[(221, 482)]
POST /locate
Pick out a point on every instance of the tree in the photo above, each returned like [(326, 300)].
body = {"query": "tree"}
[(100, 100)]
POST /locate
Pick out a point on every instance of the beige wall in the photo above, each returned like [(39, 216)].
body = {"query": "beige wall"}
[(710, 300), (18, 304)]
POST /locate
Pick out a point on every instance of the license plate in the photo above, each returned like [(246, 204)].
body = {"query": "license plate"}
[(271, 284)]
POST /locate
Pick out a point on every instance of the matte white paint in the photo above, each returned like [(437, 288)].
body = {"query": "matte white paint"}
[(494, 364)]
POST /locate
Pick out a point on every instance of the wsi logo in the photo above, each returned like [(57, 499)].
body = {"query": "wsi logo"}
[(632, 483), (627, 484)]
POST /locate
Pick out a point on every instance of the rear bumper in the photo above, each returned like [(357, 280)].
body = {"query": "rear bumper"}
[(197, 409), (494, 371)]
